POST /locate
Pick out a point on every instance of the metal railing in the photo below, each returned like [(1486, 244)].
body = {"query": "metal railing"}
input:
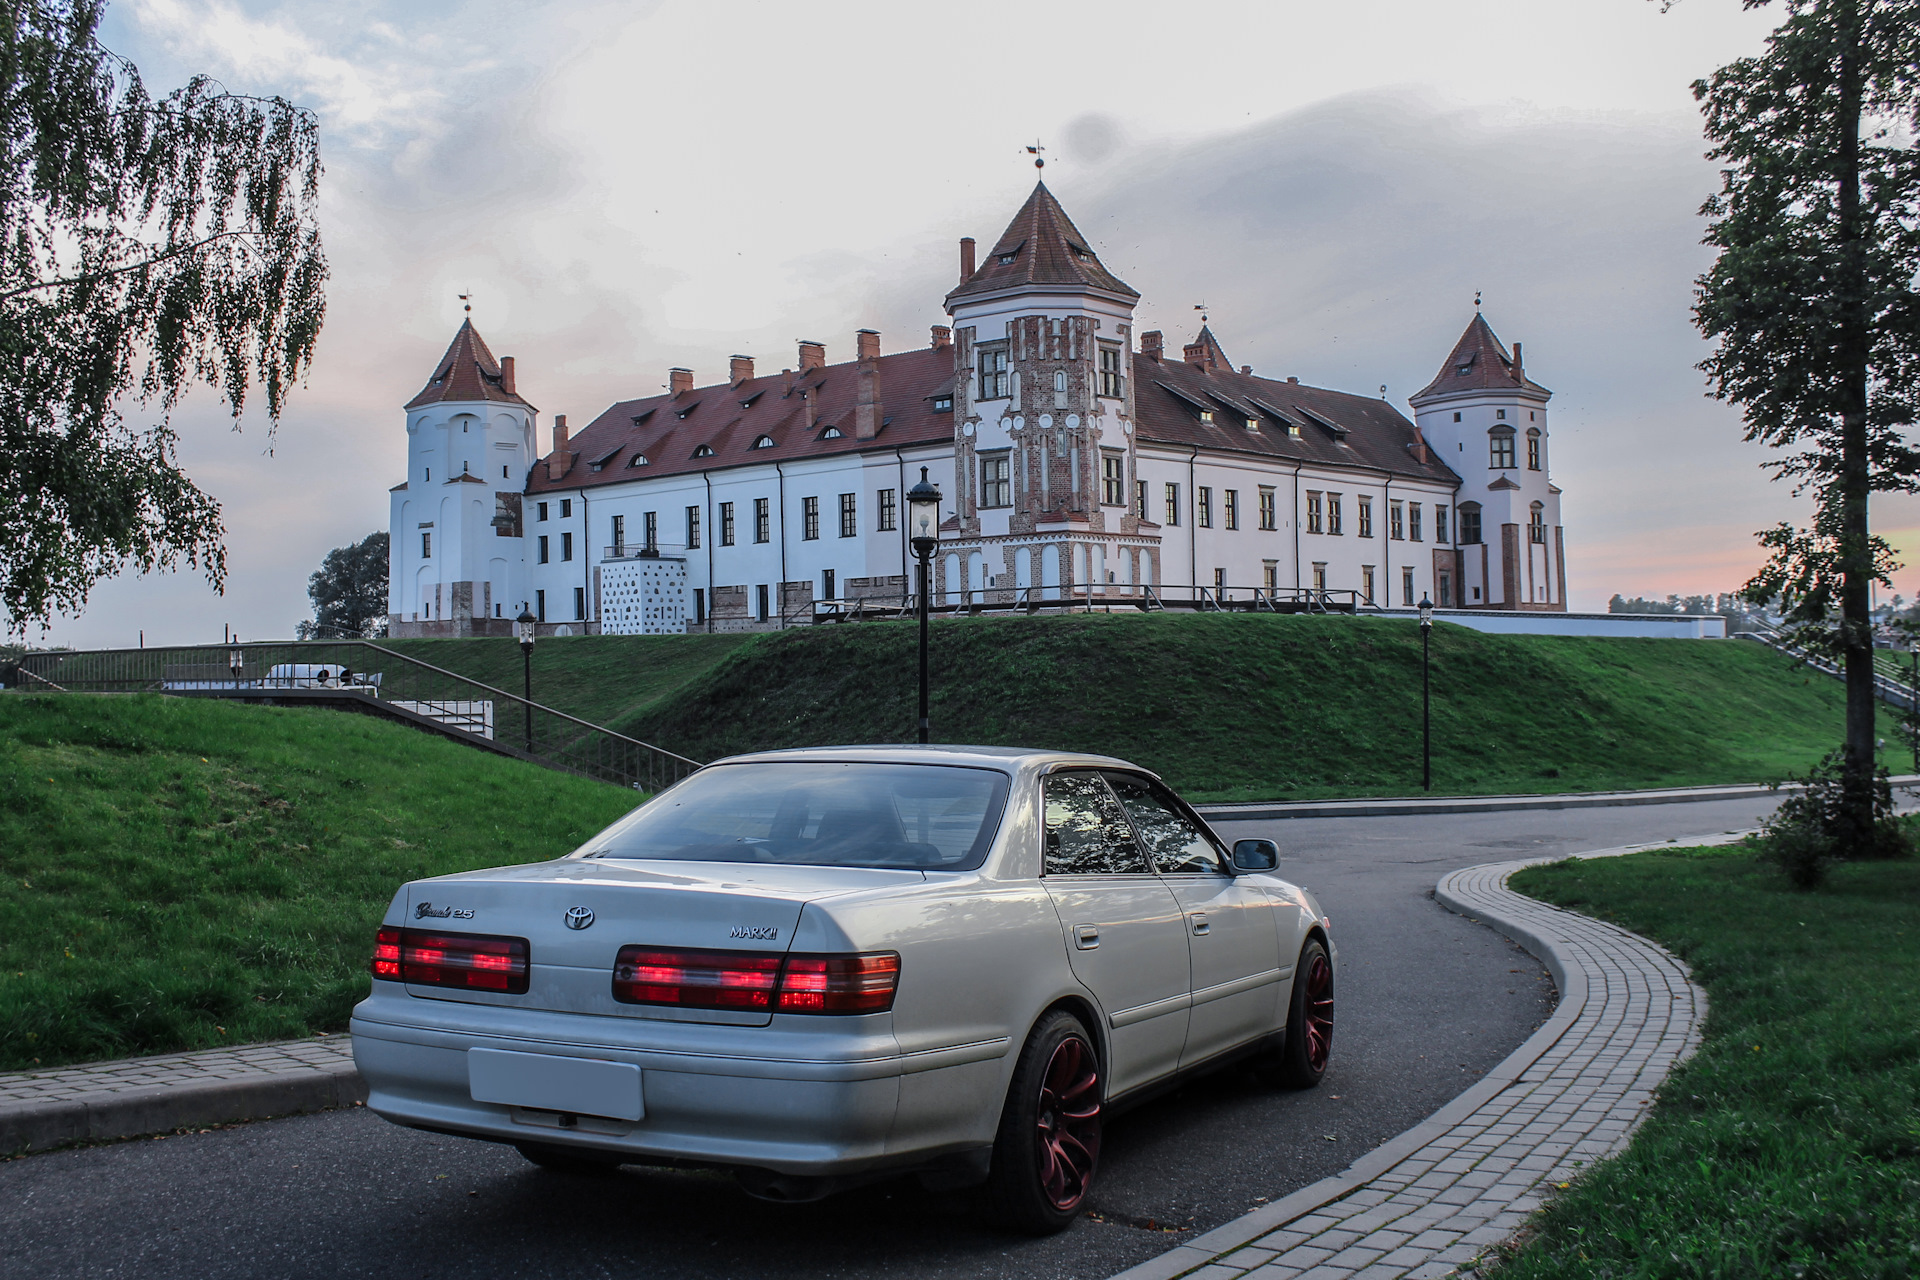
[(1891, 686), (1084, 597), (371, 677)]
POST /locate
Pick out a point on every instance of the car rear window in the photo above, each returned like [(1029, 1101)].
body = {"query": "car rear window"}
[(815, 813)]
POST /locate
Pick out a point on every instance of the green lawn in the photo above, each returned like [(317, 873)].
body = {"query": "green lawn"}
[(177, 873), (1267, 707), (1790, 1145)]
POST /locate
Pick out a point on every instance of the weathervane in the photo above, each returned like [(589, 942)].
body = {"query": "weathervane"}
[(466, 297), (1201, 307), (1039, 161), (1476, 299)]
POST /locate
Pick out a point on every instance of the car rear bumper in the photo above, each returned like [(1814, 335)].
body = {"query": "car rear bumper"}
[(815, 1104)]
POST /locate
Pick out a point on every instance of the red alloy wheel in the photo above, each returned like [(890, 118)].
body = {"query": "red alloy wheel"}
[(1068, 1126), (1319, 1012)]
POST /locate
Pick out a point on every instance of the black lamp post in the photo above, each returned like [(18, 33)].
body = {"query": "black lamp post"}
[(523, 630), (923, 520), (1426, 695)]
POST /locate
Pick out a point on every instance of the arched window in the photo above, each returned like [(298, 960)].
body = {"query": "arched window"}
[(831, 433), (637, 460), (1533, 448), (1500, 448), (704, 451), (763, 442), (1468, 522), (1537, 523)]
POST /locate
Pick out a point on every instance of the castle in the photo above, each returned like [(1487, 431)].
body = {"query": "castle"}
[(1077, 460)]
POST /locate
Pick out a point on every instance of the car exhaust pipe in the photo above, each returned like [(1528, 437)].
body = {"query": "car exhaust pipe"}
[(785, 1188)]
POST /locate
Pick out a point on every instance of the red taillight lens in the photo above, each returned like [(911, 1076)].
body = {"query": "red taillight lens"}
[(840, 984), (755, 981), (473, 961), (695, 979)]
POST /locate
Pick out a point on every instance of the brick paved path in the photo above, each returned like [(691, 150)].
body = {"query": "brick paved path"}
[(148, 1095), (1432, 1199)]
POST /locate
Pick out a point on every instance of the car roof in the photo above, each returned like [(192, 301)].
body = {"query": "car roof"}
[(1003, 758)]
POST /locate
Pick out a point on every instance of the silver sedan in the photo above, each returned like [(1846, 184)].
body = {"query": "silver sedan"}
[(819, 967)]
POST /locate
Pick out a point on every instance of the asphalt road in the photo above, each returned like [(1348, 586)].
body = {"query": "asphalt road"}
[(1426, 1002)]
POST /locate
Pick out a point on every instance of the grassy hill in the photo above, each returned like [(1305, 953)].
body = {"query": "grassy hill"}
[(178, 873), (1269, 707)]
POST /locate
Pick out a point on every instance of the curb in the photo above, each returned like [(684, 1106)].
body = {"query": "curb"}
[(1570, 981), (130, 1113), (1384, 807)]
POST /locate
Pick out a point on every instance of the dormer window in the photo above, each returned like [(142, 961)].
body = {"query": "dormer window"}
[(748, 402), (1006, 259), (683, 412), (831, 433), (943, 404), (1206, 415), (762, 442), (637, 460), (1081, 252), (704, 451), (1253, 424)]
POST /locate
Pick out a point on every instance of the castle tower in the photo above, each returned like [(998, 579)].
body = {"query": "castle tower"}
[(457, 564), (1488, 421), (1044, 455)]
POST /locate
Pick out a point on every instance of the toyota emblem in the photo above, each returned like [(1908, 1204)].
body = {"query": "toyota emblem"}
[(579, 917)]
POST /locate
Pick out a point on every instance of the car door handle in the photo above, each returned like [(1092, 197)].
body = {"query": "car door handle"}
[(1200, 926), (1086, 937)]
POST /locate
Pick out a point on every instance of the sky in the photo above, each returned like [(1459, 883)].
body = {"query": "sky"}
[(626, 187)]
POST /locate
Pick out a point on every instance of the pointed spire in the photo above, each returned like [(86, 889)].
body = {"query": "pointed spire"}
[(1478, 363), (1041, 246), (468, 372)]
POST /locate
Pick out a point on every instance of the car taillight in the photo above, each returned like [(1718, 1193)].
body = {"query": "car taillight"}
[(749, 980), (476, 962)]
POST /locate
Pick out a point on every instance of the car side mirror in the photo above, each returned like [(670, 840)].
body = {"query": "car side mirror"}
[(1255, 855)]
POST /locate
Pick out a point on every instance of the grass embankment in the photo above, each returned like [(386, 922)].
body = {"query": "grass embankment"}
[(177, 873), (598, 678), (1790, 1145), (1271, 707)]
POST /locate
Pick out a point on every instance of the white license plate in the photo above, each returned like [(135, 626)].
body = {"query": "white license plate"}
[(549, 1082)]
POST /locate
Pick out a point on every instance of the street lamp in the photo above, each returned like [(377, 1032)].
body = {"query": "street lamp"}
[(523, 631), (923, 519), (1426, 696)]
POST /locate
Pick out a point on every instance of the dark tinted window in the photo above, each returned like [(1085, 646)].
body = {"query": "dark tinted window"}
[(1087, 834), (922, 817), (1173, 841)]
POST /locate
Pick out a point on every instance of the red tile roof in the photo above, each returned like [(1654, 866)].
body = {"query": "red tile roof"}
[(1479, 363), (1041, 246), (467, 372)]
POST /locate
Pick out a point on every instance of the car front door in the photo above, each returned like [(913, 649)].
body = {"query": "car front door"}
[(1125, 933), (1233, 938)]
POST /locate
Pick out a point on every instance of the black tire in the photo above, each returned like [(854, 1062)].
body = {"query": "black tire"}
[(567, 1160), (1047, 1154), (1302, 1058)]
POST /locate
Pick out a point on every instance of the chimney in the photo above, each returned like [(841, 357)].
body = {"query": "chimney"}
[(812, 356), (1519, 370), (506, 370), (866, 396), (1151, 344), (1195, 354), (560, 461), (1247, 369), (788, 375), (942, 337), (1294, 380), (966, 259), (740, 369), (1420, 454), (679, 381)]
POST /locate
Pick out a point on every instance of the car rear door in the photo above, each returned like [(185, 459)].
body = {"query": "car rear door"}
[(1232, 936), (1125, 933)]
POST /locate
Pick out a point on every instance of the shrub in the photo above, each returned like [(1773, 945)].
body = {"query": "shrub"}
[(1809, 831)]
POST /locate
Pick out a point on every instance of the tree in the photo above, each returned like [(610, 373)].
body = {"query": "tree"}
[(349, 592), (1813, 310), (146, 245)]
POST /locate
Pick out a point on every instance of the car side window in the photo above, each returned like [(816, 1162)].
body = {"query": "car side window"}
[(1174, 842), (1087, 834)]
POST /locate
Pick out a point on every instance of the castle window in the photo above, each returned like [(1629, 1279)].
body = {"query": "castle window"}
[(566, 508), (426, 546), (1396, 521), (1316, 512), (637, 460), (1203, 507), (1230, 501), (540, 605), (1113, 383), (726, 524), (1113, 477), (831, 433), (651, 522), (543, 549), (1500, 448), (1140, 498), (1439, 523), (1269, 515), (619, 535), (1469, 523), (429, 473), (809, 519), (1456, 417), (1413, 521), (1060, 381), (993, 373), (1406, 587), (503, 471), (579, 604), (1006, 259), (1333, 514), (1173, 504), (1533, 448), (762, 520), (889, 511), (849, 516), (1366, 583), (693, 530), (1537, 524), (943, 404), (763, 442), (1270, 570), (1500, 413), (566, 546), (703, 451), (1320, 575), (996, 483), (543, 511)]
